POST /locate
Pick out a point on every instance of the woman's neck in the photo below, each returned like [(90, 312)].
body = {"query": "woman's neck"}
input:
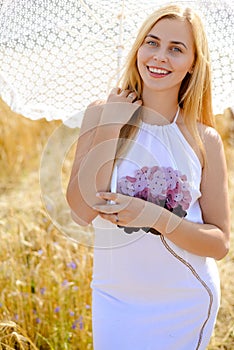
[(163, 103)]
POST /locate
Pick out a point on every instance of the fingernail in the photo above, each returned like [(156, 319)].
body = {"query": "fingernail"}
[(98, 194)]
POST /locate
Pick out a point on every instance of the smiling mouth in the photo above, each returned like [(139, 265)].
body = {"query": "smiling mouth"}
[(158, 71)]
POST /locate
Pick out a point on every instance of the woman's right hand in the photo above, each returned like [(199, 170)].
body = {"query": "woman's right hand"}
[(120, 95), (119, 107)]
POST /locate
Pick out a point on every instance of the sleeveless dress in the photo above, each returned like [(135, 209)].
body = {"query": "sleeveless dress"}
[(148, 293)]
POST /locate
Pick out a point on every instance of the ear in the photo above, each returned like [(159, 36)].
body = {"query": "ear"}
[(191, 70)]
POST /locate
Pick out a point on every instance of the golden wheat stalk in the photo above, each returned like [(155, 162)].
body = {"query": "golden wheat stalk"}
[(14, 337)]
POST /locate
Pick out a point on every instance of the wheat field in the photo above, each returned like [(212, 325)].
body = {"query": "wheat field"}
[(45, 296)]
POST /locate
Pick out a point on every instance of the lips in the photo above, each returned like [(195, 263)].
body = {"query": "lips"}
[(158, 71)]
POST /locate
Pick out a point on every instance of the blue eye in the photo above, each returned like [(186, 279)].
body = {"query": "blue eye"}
[(176, 49), (151, 43)]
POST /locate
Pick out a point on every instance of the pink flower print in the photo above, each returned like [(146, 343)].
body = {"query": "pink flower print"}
[(172, 177), (144, 194), (184, 185), (126, 186), (177, 196), (186, 200), (171, 199), (145, 169), (151, 171), (131, 179), (180, 196), (158, 184), (141, 180), (183, 178), (163, 186), (174, 195), (184, 188)]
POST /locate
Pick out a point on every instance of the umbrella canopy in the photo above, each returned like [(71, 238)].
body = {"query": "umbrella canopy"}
[(58, 56)]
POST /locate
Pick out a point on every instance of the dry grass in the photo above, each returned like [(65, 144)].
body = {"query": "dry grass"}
[(21, 143), (45, 298)]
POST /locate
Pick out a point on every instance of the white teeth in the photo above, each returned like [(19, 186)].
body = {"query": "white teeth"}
[(158, 70)]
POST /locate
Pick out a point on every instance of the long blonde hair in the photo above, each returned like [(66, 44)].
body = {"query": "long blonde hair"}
[(195, 92)]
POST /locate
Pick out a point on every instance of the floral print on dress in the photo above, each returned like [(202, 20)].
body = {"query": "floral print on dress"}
[(163, 186)]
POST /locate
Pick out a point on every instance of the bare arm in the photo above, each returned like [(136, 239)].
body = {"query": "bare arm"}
[(92, 166), (95, 153), (212, 237)]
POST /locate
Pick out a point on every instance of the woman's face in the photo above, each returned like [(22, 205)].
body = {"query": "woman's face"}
[(166, 55)]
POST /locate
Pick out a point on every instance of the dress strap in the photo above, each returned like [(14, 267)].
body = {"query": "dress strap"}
[(176, 116)]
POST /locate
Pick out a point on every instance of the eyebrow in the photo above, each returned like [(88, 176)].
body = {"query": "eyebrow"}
[(173, 42)]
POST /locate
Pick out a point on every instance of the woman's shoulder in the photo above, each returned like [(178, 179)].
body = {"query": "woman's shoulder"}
[(209, 134), (96, 103), (92, 115), (94, 109), (212, 142)]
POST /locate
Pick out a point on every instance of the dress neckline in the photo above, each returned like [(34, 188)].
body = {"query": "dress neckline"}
[(172, 127), (176, 116), (166, 124)]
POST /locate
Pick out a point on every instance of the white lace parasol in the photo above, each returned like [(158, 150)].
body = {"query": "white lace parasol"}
[(57, 56)]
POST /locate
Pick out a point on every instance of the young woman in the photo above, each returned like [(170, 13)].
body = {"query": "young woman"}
[(150, 174)]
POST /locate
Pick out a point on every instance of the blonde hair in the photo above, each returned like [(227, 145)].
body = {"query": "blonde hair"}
[(195, 92)]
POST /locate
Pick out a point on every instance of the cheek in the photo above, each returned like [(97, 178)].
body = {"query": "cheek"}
[(141, 58), (138, 63), (183, 67)]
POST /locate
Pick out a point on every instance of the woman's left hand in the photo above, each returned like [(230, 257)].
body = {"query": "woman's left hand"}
[(127, 211)]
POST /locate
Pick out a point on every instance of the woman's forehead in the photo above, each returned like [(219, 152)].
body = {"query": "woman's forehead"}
[(172, 30)]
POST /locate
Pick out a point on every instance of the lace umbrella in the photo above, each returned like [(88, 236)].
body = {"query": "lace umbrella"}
[(57, 56)]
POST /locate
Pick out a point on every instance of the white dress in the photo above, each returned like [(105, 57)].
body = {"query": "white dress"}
[(148, 293)]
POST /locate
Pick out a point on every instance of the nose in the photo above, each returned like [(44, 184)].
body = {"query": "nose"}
[(160, 55)]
